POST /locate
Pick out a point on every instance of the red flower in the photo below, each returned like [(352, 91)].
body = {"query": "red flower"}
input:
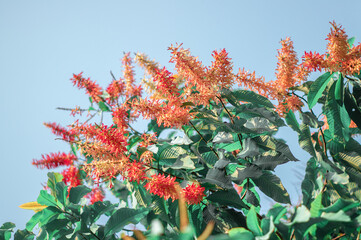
[(71, 177), (163, 186), (194, 193), (115, 89), (313, 61), (96, 195), (93, 89), (136, 172), (60, 131), (54, 160)]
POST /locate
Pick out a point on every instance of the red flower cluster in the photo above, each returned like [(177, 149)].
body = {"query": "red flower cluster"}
[(96, 195), (135, 172), (92, 89), (194, 193), (115, 89), (112, 138), (71, 177), (163, 186), (54, 160), (60, 131)]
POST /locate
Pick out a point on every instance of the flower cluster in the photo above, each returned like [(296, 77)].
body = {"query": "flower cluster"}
[(71, 177), (92, 89), (95, 195), (54, 160), (60, 131), (193, 193)]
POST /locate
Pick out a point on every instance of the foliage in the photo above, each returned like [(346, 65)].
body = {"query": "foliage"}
[(208, 145)]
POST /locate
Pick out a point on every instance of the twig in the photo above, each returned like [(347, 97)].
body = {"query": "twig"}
[(292, 234), (245, 192), (203, 139), (340, 236), (323, 136), (231, 118)]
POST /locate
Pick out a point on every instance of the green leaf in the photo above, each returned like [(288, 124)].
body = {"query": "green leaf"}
[(48, 214), (305, 87), (23, 235), (352, 108), (184, 161), (241, 233), (332, 110), (227, 198), (103, 107), (277, 212), (339, 216), (351, 41), (316, 205), (339, 90), (54, 178), (252, 97), (6, 230), (269, 160), (273, 144), (272, 186), (252, 222), (351, 158), (61, 192), (123, 217), (317, 89), (143, 196), (305, 141), (341, 204), (46, 199), (35, 219), (76, 193), (292, 121), (311, 120), (302, 215)]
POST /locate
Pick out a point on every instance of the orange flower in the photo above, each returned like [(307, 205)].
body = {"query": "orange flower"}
[(163, 186), (92, 89), (128, 73), (252, 83), (220, 73), (120, 117), (198, 88), (290, 103), (115, 89), (286, 71), (337, 48), (313, 61), (150, 66), (135, 172)]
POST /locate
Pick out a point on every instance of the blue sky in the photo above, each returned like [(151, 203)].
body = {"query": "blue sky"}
[(43, 42)]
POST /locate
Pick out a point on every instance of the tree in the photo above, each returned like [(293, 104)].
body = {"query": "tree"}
[(194, 172)]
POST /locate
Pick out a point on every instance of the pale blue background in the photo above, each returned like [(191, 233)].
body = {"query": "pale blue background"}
[(43, 42)]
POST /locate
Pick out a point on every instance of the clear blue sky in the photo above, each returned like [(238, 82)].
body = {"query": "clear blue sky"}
[(43, 42)]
